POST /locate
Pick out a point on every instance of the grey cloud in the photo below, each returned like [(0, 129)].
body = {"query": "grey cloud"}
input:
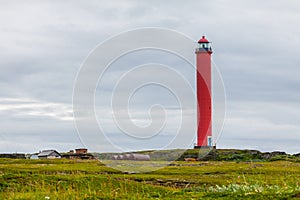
[(255, 46)]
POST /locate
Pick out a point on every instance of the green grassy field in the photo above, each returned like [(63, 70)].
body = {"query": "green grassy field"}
[(78, 179)]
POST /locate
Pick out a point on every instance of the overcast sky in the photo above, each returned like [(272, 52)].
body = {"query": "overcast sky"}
[(44, 43)]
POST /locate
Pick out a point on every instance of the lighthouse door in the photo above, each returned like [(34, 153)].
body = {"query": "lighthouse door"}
[(209, 141)]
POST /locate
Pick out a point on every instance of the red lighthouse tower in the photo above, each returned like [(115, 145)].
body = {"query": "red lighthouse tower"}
[(204, 94)]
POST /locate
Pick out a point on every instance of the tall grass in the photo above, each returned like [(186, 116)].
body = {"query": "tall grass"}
[(72, 179)]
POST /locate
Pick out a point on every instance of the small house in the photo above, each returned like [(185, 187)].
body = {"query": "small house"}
[(34, 156), (131, 156), (140, 157), (49, 154), (81, 151), (13, 155)]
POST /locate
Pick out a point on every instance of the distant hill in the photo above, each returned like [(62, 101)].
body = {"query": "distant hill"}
[(240, 155), (210, 155)]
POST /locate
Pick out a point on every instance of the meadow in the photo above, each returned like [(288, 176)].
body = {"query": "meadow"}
[(90, 179)]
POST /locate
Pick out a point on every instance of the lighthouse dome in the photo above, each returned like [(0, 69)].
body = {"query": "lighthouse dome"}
[(203, 40)]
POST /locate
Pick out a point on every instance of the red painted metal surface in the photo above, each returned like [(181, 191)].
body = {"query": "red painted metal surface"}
[(204, 94), (203, 40)]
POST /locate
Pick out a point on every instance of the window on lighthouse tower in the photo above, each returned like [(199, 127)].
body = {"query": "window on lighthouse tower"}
[(204, 45)]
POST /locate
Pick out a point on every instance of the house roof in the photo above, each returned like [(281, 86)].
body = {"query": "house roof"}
[(48, 153)]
